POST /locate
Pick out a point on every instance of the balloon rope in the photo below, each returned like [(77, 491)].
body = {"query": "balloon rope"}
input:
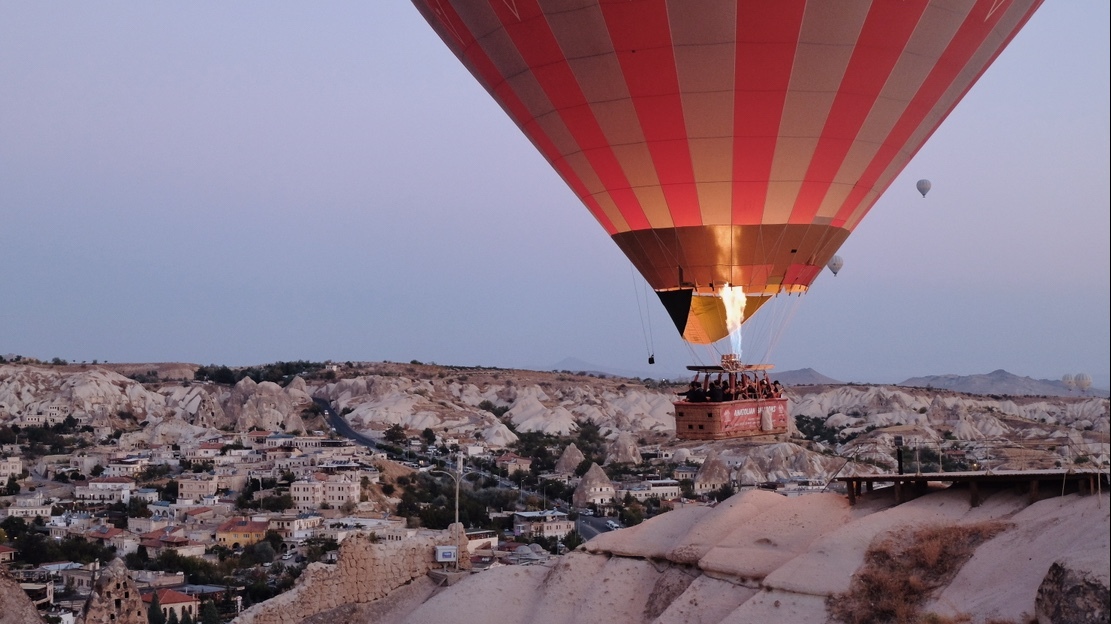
[(642, 308)]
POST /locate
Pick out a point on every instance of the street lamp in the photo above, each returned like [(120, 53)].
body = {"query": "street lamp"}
[(455, 477)]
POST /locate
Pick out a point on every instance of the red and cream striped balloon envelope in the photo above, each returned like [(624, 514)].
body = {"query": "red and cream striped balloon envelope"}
[(727, 141)]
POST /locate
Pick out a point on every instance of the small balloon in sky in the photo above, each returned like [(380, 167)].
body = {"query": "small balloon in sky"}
[(924, 187), (835, 264)]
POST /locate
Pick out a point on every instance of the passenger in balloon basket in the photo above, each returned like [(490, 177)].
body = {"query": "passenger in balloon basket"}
[(765, 387), (717, 395), (694, 393)]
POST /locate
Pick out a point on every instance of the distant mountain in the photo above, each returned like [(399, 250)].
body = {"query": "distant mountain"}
[(999, 382), (804, 377)]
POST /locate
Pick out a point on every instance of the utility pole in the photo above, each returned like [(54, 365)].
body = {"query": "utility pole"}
[(455, 477)]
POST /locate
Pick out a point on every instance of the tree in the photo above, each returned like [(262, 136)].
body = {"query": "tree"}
[(209, 613), (186, 618), (396, 434), (172, 619), (572, 540), (154, 613), (428, 435), (12, 488)]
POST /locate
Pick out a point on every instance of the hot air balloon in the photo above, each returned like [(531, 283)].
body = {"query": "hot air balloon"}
[(1068, 380), (1083, 381), (924, 187), (729, 144), (835, 264)]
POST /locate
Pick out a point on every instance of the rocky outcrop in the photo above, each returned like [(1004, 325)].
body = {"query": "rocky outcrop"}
[(569, 460), (623, 450), (762, 557), (712, 475), (266, 406), (594, 488), (365, 572), (17, 608), (115, 598), (1075, 593)]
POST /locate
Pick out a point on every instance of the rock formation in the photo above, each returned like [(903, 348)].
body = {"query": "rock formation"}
[(623, 450), (569, 460), (115, 598), (365, 572), (762, 557), (1075, 594), (595, 487), (712, 475), (15, 606)]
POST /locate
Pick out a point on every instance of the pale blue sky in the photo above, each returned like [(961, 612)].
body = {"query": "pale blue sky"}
[(248, 182)]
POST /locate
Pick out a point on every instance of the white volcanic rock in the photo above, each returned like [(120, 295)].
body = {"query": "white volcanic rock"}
[(467, 394), (593, 486), (784, 461), (266, 405), (761, 557), (529, 414), (713, 474), (569, 460), (165, 433), (194, 404), (498, 435), (623, 450), (642, 410), (92, 392)]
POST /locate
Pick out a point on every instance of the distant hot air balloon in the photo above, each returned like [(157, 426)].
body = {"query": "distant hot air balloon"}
[(924, 187), (1083, 381), (732, 143), (835, 264), (1068, 380)]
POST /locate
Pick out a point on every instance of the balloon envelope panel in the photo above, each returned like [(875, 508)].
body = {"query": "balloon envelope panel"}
[(727, 141)]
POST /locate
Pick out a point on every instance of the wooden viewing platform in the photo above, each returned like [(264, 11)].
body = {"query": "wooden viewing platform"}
[(907, 486)]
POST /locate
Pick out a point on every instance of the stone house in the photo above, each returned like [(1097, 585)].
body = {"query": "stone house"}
[(595, 488), (547, 523), (10, 466), (173, 600), (513, 462), (105, 490), (29, 506), (240, 532), (195, 487)]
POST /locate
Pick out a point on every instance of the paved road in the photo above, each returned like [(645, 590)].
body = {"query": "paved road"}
[(340, 425), (589, 526)]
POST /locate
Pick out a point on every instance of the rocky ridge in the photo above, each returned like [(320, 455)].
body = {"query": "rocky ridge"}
[(761, 557), (861, 422)]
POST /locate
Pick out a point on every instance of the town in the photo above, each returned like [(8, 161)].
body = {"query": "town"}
[(216, 493), (210, 526)]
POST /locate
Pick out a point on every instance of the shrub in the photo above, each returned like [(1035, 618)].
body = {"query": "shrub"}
[(901, 570)]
